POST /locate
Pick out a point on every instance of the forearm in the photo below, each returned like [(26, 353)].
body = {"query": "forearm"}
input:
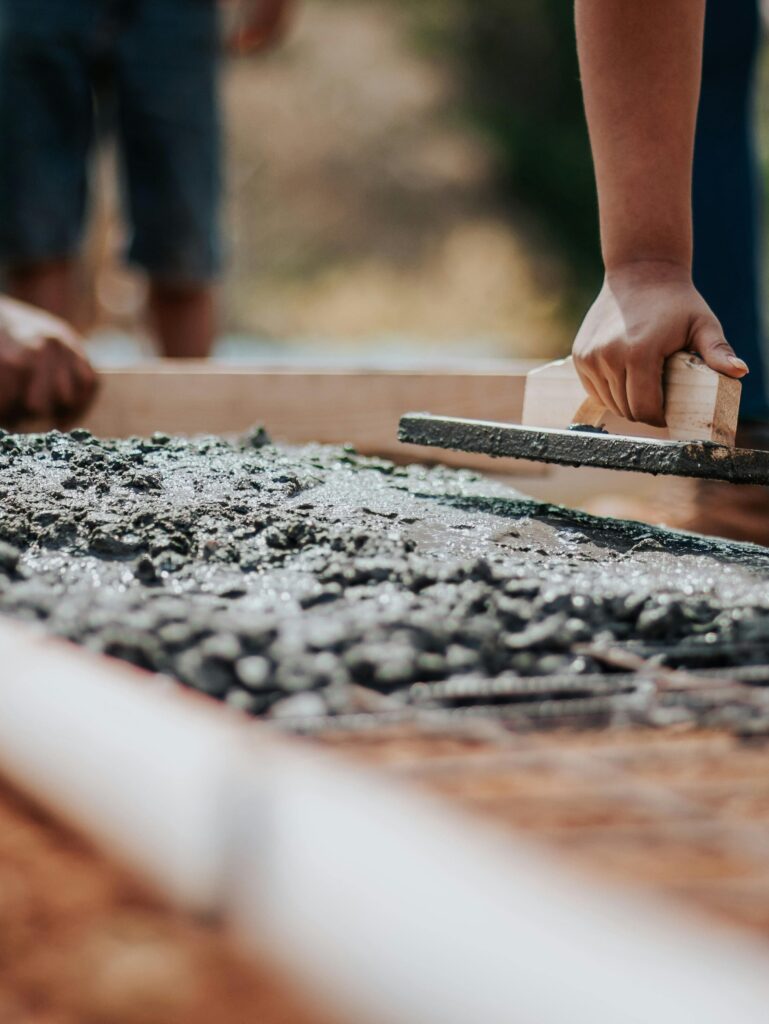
[(641, 66)]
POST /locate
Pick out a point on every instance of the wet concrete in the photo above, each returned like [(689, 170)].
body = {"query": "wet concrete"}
[(296, 582), (587, 446)]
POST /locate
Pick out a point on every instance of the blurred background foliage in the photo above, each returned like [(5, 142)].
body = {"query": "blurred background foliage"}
[(404, 176), (524, 85), (517, 63)]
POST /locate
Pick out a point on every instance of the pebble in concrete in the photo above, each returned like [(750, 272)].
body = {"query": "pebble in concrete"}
[(260, 574)]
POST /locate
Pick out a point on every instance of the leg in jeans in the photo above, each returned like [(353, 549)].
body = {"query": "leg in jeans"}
[(45, 136), (727, 223), (169, 135), (727, 241)]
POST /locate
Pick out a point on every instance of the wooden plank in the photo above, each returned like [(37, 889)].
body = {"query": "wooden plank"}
[(358, 406), (700, 404)]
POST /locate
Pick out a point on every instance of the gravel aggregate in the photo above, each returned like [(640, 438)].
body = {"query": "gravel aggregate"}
[(290, 581)]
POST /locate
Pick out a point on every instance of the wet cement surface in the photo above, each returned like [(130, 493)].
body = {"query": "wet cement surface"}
[(298, 582)]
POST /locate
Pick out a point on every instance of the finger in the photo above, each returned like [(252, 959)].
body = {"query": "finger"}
[(13, 356), (584, 376), (11, 391), (64, 383), (644, 392), (707, 339), (602, 391), (75, 384), (588, 380), (39, 395), (617, 383), (86, 382)]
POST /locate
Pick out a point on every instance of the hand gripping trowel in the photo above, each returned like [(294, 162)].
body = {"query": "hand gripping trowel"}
[(560, 424)]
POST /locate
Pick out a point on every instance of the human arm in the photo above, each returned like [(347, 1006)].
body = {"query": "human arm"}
[(44, 372), (641, 66)]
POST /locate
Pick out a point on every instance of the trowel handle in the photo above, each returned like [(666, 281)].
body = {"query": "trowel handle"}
[(590, 414)]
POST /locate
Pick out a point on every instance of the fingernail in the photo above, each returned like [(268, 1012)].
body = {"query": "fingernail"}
[(738, 364)]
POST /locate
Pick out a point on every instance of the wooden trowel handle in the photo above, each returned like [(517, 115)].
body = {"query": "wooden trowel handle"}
[(591, 413)]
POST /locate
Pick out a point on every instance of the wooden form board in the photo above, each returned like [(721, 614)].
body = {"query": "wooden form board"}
[(700, 404), (361, 407)]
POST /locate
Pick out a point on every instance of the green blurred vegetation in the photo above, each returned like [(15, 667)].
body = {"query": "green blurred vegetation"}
[(521, 68), (517, 63)]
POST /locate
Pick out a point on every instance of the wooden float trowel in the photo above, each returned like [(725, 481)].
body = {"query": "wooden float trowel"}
[(560, 424)]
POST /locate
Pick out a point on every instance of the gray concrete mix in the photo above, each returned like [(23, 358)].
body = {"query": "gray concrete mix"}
[(290, 581)]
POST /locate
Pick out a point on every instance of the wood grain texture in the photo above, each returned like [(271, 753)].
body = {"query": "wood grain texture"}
[(361, 407), (700, 404)]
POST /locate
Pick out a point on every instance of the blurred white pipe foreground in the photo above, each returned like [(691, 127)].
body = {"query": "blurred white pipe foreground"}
[(395, 907), (138, 769)]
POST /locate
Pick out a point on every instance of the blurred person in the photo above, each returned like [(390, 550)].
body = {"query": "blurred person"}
[(726, 184), (43, 369), (148, 70), (668, 93)]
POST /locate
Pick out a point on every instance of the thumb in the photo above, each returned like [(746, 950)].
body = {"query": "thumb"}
[(707, 340)]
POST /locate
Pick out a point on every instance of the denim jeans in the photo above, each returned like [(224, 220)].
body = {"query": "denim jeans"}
[(727, 220), (145, 69)]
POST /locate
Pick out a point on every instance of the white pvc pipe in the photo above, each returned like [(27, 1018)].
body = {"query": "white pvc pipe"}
[(141, 769), (417, 916), (391, 903)]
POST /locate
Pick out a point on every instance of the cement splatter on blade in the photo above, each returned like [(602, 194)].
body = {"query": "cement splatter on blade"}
[(703, 459)]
